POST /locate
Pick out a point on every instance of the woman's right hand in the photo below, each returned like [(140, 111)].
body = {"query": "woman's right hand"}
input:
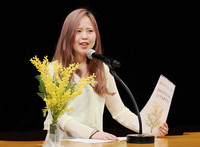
[(104, 136)]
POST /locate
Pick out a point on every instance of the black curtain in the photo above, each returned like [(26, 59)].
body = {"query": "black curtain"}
[(148, 38)]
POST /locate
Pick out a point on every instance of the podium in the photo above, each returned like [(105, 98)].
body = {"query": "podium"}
[(188, 139)]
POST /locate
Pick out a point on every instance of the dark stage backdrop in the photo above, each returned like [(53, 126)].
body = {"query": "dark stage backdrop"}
[(148, 38)]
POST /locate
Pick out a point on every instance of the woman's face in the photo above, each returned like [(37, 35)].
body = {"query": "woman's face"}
[(85, 37)]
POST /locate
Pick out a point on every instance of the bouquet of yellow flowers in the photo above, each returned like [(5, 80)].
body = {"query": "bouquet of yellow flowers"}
[(56, 90)]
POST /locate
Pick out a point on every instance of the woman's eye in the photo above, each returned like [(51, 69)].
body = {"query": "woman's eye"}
[(90, 30), (78, 30)]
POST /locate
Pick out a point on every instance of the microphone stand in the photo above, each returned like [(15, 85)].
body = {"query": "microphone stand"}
[(132, 138)]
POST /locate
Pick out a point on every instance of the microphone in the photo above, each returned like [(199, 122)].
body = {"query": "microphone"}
[(91, 54)]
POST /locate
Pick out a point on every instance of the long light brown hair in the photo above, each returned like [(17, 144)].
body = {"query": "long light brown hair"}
[(64, 53)]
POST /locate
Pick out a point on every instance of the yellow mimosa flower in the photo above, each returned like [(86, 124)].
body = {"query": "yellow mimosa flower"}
[(57, 90)]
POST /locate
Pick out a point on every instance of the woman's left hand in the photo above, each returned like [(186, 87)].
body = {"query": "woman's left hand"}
[(163, 130)]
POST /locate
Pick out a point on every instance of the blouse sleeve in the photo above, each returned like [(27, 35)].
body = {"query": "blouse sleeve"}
[(67, 123), (116, 107)]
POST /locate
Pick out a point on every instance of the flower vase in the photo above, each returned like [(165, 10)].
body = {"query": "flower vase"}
[(54, 134)]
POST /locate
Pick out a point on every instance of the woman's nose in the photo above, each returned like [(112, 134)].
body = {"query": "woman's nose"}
[(84, 35)]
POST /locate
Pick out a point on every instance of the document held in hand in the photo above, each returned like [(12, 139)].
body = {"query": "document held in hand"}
[(156, 110)]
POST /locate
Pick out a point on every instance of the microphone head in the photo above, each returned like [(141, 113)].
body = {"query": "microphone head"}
[(89, 53)]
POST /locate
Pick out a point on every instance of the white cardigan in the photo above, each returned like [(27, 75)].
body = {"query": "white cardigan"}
[(88, 112)]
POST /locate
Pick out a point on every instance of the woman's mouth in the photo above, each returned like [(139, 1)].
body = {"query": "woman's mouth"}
[(84, 45)]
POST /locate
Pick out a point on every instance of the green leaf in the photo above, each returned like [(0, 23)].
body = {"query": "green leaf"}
[(42, 95), (71, 86), (41, 87), (55, 81)]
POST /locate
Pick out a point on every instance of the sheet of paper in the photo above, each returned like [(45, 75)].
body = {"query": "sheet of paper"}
[(155, 112), (92, 140)]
